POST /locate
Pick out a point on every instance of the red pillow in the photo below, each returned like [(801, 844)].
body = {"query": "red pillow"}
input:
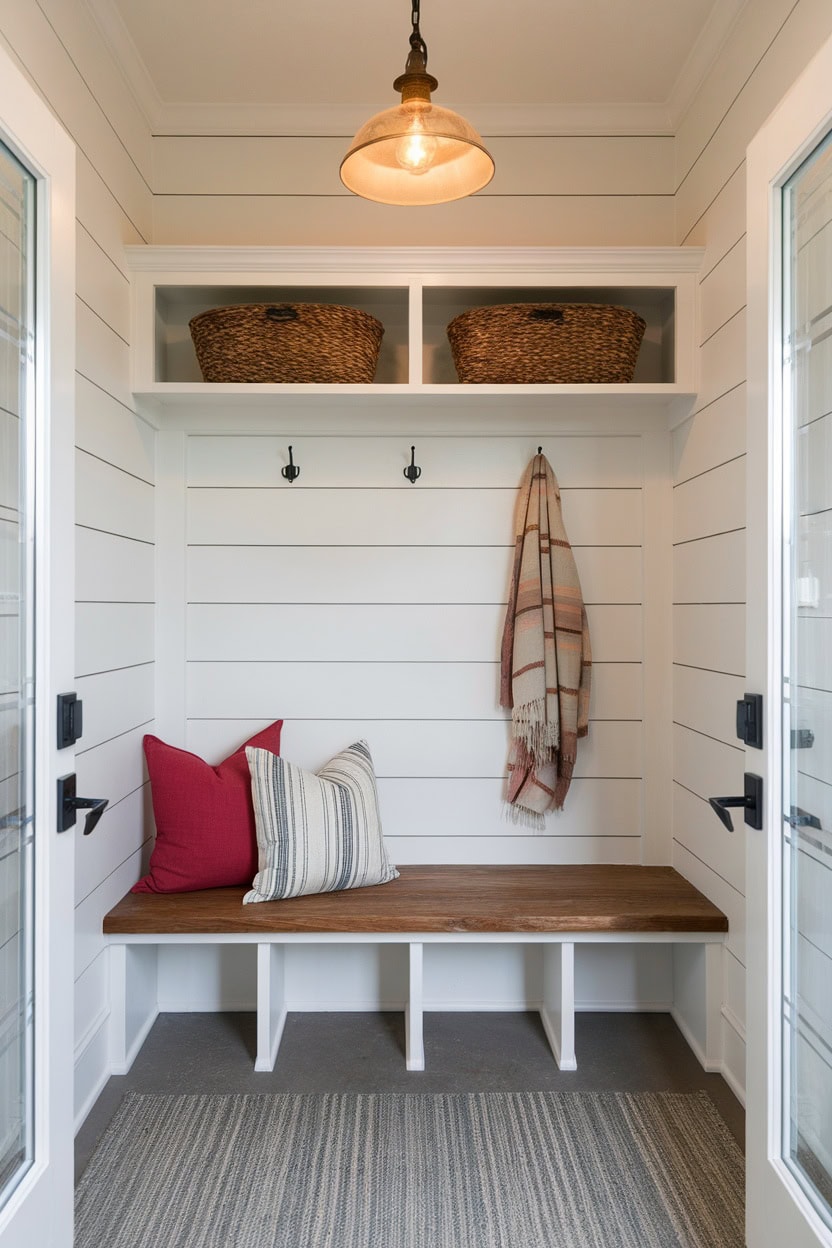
[(205, 836)]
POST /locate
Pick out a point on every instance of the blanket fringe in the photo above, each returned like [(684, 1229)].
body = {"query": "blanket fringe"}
[(523, 818), (539, 734)]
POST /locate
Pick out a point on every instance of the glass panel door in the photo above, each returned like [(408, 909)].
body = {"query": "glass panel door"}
[(17, 199), (807, 677)]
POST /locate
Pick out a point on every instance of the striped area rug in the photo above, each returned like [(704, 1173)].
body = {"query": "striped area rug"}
[(481, 1170)]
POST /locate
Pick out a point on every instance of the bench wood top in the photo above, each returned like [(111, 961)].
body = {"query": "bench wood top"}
[(586, 898)]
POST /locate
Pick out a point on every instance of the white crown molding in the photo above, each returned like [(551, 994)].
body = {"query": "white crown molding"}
[(714, 35), (342, 121), (267, 261), (119, 43)]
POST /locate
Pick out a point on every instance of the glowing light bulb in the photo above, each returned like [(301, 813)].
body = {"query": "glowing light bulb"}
[(416, 151)]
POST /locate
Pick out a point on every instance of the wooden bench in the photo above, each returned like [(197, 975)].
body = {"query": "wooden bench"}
[(557, 907)]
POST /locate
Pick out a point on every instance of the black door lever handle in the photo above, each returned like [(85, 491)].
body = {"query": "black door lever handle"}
[(751, 801), (95, 806), (68, 803)]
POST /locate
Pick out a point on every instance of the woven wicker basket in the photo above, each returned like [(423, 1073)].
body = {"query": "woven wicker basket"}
[(287, 342), (522, 343)]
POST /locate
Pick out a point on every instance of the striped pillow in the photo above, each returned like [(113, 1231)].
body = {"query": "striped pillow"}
[(316, 833)]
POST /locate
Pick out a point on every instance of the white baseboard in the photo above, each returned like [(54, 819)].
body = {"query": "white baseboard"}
[(711, 1067), (95, 1032), (139, 1039), (733, 1083)]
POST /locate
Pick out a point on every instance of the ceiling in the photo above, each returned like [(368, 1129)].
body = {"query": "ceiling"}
[(186, 57)]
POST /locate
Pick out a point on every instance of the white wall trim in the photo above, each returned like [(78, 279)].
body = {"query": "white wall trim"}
[(715, 1067), (119, 43), (641, 261), (712, 39), (733, 1022), (119, 1068), (734, 1084), (638, 118)]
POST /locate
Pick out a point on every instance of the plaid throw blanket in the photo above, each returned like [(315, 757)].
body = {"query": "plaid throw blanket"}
[(546, 658)]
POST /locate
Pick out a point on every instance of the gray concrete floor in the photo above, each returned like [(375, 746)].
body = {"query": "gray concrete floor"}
[(203, 1053)]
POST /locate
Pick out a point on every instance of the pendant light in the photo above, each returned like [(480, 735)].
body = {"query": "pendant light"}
[(417, 152)]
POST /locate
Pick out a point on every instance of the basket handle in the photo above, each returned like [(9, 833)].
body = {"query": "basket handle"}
[(547, 314), (282, 312)]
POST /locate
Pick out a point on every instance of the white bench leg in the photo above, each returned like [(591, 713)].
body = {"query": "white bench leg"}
[(271, 1003), (133, 1002), (558, 1010), (414, 1011)]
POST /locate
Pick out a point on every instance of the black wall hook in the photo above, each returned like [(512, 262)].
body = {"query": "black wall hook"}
[(540, 450), (412, 471), (291, 472)]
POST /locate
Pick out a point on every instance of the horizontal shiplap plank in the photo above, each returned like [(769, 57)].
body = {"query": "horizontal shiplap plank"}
[(371, 574), (345, 220), (112, 634), (436, 748), (707, 702), (382, 633), (110, 568), (717, 889), (722, 292), (111, 500), (814, 457), (36, 43), (115, 768), (420, 517), (722, 224), (92, 995), (696, 827), (711, 503), (112, 432), (101, 284), (116, 702), (814, 649), (722, 361), (711, 569), (814, 397), (106, 80), (475, 808), (380, 691), (99, 212), (707, 767), (815, 546), (813, 710), (101, 355), (484, 462), (713, 436), (756, 68), (711, 637), (90, 910), (120, 832), (513, 850), (814, 880), (264, 165)]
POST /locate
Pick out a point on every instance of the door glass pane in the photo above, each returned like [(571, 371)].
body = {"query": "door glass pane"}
[(16, 668), (807, 650)]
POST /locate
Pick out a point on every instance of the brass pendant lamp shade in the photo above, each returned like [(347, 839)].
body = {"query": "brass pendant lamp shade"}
[(416, 153)]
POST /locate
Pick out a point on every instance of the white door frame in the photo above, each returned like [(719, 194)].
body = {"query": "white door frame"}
[(40, 1210), (778, 1211)]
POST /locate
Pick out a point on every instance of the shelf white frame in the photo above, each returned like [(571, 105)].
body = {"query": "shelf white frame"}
[(416, 270)]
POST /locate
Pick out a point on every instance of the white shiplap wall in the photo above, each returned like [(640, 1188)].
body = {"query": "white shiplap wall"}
[(57, 46), (772, 41), (352, 604), (564, 191)]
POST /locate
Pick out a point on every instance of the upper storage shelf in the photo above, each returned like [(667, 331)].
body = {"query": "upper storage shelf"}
[(414, 292)]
